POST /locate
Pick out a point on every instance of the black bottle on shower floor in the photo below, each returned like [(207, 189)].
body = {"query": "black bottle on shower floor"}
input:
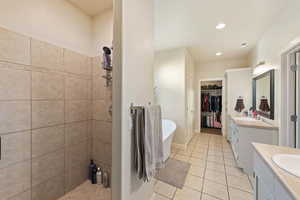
[(91, 167), (94, 175)]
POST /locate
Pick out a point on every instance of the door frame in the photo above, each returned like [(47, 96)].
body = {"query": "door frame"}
[(287, 136), (223, 102)]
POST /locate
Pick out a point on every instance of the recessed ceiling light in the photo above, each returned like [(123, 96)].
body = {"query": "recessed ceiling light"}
[(220, 26), (219, 54), (245, 44)]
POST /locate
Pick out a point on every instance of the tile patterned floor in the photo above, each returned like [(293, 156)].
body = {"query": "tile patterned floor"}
[(87, 191), (213, 174)]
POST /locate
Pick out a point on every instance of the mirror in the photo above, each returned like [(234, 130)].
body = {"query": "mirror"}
[(263, 94)]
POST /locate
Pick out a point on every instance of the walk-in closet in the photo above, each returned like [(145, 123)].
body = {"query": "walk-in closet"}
[(211, 107)]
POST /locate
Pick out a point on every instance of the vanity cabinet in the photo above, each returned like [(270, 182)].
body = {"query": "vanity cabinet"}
[(242, 137), (267, 185)]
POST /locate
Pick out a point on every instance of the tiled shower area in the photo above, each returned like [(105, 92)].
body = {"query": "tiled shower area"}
[(55, 115)]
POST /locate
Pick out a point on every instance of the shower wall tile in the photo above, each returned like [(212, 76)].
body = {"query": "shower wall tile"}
[(76, 133), (47, 166), (15, 116), (46, 55), (16, 147), (46, 121), (22, 196), (77, 155), (101, 110), (14, 47), (50, 190), (97, 66), (76, 63), (77, 110), (14, 84), (99, 89), (47, 86), (75, 176), (46, 140), (77, 89), (15, 179), (47, 113), (102, 131)]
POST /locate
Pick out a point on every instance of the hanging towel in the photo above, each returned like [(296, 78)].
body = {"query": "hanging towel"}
[(154, 157), (138, 134)]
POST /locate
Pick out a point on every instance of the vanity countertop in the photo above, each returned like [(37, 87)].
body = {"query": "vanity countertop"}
[(289, 181), (242, 121)]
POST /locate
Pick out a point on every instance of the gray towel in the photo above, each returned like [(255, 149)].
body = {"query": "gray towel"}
[(154, 157), (138, 134)]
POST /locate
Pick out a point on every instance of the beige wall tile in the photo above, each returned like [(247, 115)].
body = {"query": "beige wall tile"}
[(16, 147), (77, 110), (97, 66), (15, 179), (76, 133), (76, 63), (49, 190), (76, 176), (46, 55), (23, 196), (76, 155), (46, 140), (14, 84), (47, 86), (102, 131), (102, 152), (14, 116), (89, 90), (101, 110), (99, 88), (14, 47), (76, 89), (47, 166), (47, 113)]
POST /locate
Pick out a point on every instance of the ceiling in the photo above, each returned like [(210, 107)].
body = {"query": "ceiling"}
[(92, 7), (192, 24)]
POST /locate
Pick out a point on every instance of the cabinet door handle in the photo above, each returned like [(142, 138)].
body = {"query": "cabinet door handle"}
[(256, 188), (0, 148)]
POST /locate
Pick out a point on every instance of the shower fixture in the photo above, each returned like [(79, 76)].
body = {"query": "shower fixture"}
[(107, 65)]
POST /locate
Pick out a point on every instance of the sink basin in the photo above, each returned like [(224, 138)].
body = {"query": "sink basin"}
[(288, 162)]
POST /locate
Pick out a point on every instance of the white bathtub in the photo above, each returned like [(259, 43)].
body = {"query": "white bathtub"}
[(168, 129)]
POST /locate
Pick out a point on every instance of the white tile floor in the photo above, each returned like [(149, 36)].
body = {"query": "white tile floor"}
[(213, 174)]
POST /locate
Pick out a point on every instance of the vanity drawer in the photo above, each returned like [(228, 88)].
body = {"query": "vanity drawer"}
[(263, 172)]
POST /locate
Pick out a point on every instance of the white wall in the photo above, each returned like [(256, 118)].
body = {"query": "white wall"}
[(133, 83), (53, 21), (213, 70), (284, 30), (102, 31), (169, 83)]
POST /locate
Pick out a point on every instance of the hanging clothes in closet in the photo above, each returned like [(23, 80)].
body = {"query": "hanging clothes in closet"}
[(211, 107)]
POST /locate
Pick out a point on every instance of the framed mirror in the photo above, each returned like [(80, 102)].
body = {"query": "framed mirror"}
[(263, 94)]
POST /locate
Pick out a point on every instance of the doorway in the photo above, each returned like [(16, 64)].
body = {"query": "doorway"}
[(291, 98), (211, 105)]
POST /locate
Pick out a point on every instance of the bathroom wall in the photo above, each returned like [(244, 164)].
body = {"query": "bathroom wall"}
[(53, 21), (283, 33), (174, 90), (102, 31), (169, 83), (132, 83), (45, 120)]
